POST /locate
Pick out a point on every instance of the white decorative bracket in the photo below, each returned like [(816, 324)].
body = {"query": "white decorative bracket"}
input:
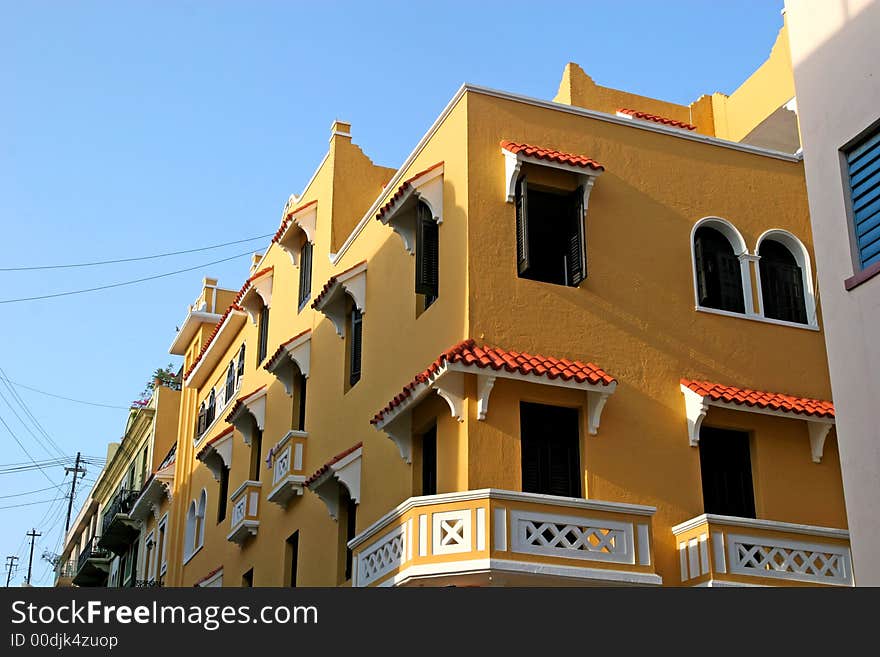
[(257, 295), (696, 406), (294, 352), (451, 388), (818, 433), (353, 283), (345, 472), (399, 430), (595, 405), (303, 219), (513, 165), (251, 413), (217, 455), (485, 383), (401, 215)]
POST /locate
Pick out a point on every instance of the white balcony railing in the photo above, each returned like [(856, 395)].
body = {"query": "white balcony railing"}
[(245, 518)]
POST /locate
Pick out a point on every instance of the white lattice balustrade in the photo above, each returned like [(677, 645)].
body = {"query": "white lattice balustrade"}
[(388, 554), (572, 537), (789, 560)]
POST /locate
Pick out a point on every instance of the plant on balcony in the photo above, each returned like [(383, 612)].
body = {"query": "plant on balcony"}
[(162, 377)]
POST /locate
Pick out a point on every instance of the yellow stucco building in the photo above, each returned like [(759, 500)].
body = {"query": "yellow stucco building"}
[(567, 342)]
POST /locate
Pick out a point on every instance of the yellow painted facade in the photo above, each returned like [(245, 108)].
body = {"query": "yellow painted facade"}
[(634, 315)]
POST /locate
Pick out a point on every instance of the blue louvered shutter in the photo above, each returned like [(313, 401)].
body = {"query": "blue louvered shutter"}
[(863, 163)]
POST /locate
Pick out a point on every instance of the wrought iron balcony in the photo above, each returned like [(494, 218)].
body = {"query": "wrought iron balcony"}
[(93, 565), (245, 517), (497, 537), (118, 530), (729, 551)]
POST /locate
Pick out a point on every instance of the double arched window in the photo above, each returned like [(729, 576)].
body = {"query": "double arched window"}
[(723, 278), (194, 534)]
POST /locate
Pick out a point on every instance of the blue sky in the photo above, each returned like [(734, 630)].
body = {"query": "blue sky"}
[(135, 128)]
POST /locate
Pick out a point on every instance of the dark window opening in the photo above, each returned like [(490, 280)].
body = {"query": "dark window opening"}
[(427, 255), (202, 423), (355, 345), (247, 580), (222, 494), (230, 381), (550, 442), (292, 553), (211, 413), (240, 371), (263, 338), (256, 454), (782, 283), (305, 273), (429, 461), (719, 275), (301, 403), (726, 470), (550, 235)]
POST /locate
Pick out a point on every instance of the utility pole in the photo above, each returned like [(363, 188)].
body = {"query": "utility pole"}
[(75, 470), (33, 536), (10, 566)]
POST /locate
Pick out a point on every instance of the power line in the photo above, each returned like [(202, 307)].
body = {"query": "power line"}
[(24, 449), (78, 401), (16, 506), (149, 257), (36, 438), (27, 411), (123, 283), (30, 492)]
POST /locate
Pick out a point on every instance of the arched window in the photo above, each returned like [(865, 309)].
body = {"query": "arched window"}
[(240, 372), (199, 535), (189, 534), (785, 278), (718, 271), (202, 423), (230, 381), (212, 409)]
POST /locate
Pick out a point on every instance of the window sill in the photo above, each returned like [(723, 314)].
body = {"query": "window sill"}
[(756, 318), (194, 553), (862, 277)]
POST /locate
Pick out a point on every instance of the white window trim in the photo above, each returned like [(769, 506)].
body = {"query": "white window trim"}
[(163, 524), (150, 558), (802, 257), (740, 249)]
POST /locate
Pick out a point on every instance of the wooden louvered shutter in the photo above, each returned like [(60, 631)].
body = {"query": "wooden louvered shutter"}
[(427, 252), (576, 253), (531, 464), (305, 272), (730, 279), (702, 275), (522, 226), (783, 292), (356, 346), (562, 472)]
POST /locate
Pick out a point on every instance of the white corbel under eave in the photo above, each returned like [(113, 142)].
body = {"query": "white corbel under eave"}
[(303, 219), (345, 472), (513, 164), (251, 413), (353, 283), (297, 351), (258, 294), (697, 406), (427, 188), (217, 455)]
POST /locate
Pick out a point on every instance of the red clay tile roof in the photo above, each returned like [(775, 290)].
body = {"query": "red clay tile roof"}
[(467, 353), (320, 471), (225, 432), (331, 282), (286, 221), (280, 350), (209, 575), (211, 337), (233, 306), (551, 156), (406, 184), (657, 119), (774, 401), (240, 402)]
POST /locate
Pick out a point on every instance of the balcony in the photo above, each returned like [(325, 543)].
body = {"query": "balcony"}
[(729, 551), (118, 529), (65, 571), (287, 468), (506, 538), (93, 565), (245, 520)]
